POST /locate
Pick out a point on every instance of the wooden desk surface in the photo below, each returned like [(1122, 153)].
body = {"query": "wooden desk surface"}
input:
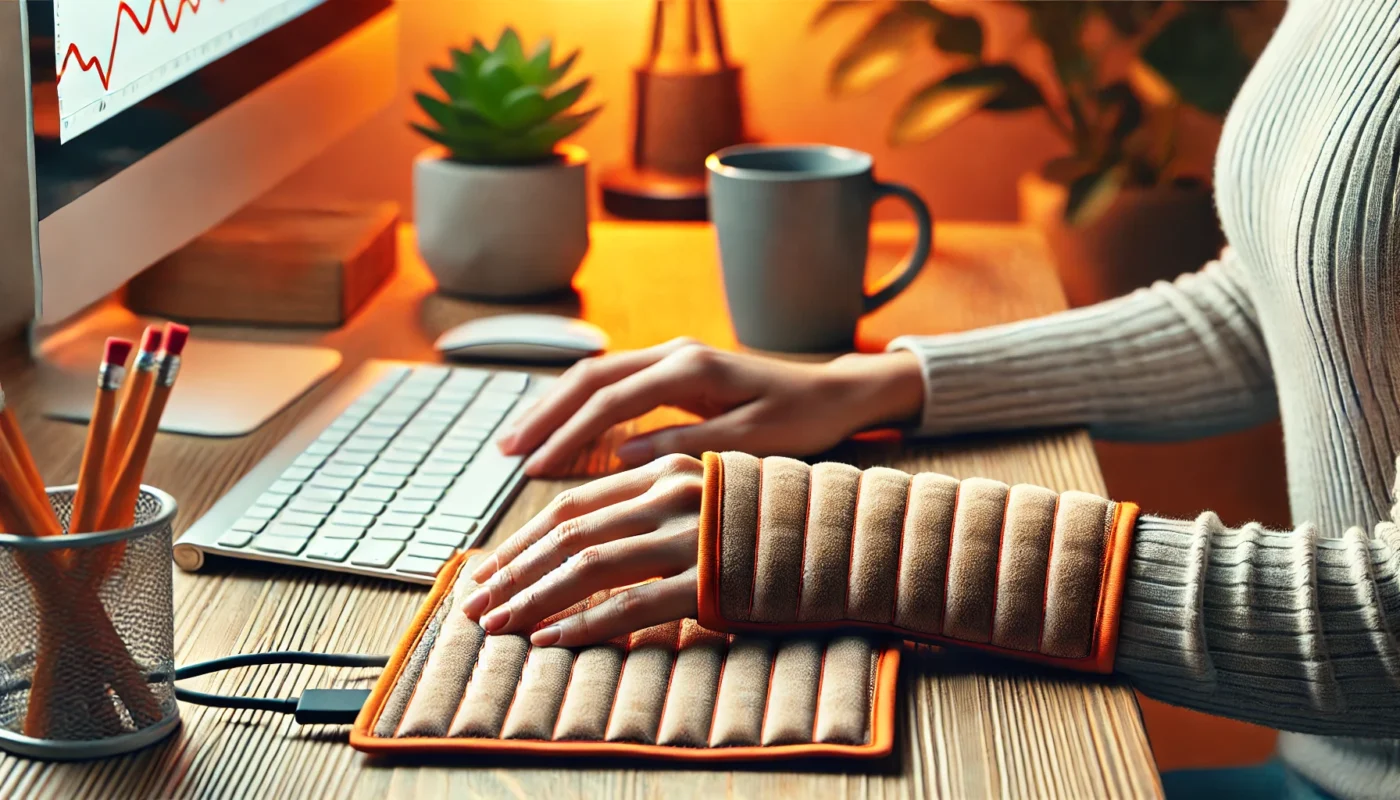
[(968, 727)]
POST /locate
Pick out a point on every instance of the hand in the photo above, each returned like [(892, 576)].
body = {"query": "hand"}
[(764, 406), (613, 532)]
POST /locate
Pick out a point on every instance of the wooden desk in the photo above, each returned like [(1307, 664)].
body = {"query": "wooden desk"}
[(968, 727)]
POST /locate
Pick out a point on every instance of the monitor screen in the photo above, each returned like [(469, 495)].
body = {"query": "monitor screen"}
[(115, 80)]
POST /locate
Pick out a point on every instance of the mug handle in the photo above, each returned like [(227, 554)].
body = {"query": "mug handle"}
[(899, 278)]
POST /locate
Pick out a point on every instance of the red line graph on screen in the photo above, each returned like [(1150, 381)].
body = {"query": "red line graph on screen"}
[(124, 10)]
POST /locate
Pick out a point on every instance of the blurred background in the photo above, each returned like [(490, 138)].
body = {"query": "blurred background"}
[(848, 74)]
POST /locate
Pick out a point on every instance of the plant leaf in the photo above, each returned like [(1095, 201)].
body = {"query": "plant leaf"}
[(879, 52), (1058, 25), (1128, 18), (453, 83), (437, 110), (561, 100), (1018, 92), (1198, 55), (558, 128), (536, 70), (1091, 195), (523, 107), (559, 70), (1120, 104), (435, 135), (962, 35), (940, 104), (832, 9), (495, 79), (509, 46)]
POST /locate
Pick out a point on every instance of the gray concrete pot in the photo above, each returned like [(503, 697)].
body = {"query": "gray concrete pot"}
[(501, 232), (1147, 235)]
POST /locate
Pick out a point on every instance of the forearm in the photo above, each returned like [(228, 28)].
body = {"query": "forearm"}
[(1283, 629), (1173, 361)]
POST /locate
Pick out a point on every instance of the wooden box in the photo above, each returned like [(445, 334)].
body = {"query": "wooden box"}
[(276, 264)]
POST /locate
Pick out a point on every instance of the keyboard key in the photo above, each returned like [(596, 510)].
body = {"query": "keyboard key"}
[(301, 518), (332, 482), (431, 373), (336, 550), (454, 452), (424, 550), (417, 492), (398, 455), (405, 506), (284, 487), (373, 494), (329, 436), (235, 539), (369, 507), (296, 474), (353, 458), (483, 480), (290, 530), (249, 525), (438, 466), (319, 449), (392, 533), (318, 507), (342, 470), (342, 531), (375, 553), (416, 565), (380, 480), (324, 495), (434, 481), (351, 518), (512, 382), (363, 444), (260, 512), (444, 538), (405, 520), (284, 545), (271, 500), (447, 522), (309, 461), (392, 468)]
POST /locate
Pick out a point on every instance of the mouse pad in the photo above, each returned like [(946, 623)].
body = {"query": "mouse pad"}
[(673, 691)]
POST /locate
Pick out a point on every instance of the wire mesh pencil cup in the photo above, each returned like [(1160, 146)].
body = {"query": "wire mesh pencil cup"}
[(87, 645)]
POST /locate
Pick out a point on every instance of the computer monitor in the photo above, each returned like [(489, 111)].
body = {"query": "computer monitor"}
[(153, 120)]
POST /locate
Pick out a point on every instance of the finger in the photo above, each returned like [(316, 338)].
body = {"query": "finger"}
[(568, 538), (732, 430), (573, 390), (636, 608), (661, 384), (604, 566), (566, 505)]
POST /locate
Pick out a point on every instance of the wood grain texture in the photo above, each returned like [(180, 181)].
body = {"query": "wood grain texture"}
[(968, 727)]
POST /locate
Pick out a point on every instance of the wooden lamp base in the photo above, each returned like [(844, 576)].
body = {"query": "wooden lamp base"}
[(275, 264)]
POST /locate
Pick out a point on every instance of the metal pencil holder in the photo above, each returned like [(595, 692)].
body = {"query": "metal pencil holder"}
[(87, 649)]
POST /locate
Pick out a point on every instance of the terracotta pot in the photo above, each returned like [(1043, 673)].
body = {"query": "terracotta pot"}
[(502, 232), (1147, 235)]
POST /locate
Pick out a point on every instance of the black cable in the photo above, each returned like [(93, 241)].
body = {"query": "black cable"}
[(319, 706)]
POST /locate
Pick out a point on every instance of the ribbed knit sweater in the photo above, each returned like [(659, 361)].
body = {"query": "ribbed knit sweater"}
[(1300, 317)]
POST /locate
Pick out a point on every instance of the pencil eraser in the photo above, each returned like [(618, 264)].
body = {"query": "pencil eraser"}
[(117, 350), (151, 339), (175, 337)]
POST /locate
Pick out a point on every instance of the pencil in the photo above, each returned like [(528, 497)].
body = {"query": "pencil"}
[(143, 372), (92, 486), (9, 429), (20, 477)]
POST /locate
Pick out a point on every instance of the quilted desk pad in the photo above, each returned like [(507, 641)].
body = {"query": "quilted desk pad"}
[(674, 691)]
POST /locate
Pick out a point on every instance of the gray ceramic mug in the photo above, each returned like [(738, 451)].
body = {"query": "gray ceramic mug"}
[(794, 231)]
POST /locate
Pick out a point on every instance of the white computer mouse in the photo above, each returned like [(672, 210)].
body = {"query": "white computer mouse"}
[(533, 338)]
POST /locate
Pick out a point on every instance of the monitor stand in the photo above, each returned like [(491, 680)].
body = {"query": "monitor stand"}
[(226, 387)]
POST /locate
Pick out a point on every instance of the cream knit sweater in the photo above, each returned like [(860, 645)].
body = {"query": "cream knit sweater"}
[(1299, 317)]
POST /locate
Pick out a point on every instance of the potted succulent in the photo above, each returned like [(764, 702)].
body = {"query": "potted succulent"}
[(500, 202), (1117, 210)]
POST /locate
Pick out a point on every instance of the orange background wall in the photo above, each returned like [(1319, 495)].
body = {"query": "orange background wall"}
[(968, 173)]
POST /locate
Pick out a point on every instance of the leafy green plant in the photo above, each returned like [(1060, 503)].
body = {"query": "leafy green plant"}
[(502, 106), (1114, 97)]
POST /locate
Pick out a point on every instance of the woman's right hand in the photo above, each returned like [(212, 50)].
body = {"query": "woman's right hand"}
[(761, 405)]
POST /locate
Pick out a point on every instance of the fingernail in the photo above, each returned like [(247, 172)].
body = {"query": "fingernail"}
[(544, 637), (635, 452), (484, 569), (495, 620), (506, 444), (534, 467), (477, 603)]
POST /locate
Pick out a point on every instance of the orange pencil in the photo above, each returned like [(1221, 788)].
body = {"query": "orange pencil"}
[(21, 478), (120, 507), (9, 429), (92, 487), (143, 374)]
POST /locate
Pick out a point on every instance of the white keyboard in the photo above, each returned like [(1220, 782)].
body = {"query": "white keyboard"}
[(390, 477)]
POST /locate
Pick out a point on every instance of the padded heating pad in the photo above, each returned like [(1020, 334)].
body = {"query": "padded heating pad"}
[(674, 691)]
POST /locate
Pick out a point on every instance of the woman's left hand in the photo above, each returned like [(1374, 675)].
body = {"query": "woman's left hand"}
[(613, 532)]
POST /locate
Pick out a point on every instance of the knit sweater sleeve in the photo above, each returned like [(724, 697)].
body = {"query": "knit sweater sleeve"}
[(1173, 361), (1292, 630)]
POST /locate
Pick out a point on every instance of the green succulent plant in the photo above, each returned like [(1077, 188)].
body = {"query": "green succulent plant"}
[(502, 106), (1114, 102)]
